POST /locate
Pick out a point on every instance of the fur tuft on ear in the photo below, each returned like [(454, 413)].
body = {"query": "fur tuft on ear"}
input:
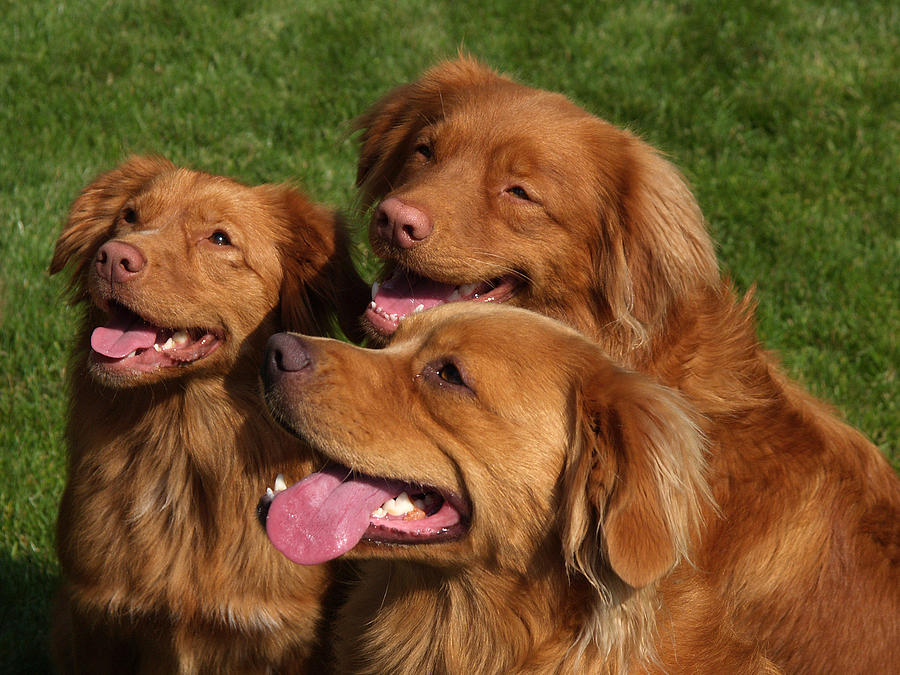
[(92, 215), (655, 246), (635, 485), (391, 125), (320, 280)]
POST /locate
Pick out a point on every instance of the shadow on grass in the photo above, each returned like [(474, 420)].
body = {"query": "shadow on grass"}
[(26, 595)]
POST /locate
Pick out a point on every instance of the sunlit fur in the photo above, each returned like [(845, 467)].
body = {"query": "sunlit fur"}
[(165, 568), (613, 243), (587, 487)]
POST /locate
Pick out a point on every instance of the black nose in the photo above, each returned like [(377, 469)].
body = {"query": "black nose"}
[(286, 353)]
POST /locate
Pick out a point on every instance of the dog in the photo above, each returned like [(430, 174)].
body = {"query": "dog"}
[(486, 190), (183, 276), (525, 505)]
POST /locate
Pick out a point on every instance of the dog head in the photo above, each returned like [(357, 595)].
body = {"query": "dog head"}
[(512, 437), (180, 268), (489, 190)]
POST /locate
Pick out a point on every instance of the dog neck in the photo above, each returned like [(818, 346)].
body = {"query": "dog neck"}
[(424, 619)]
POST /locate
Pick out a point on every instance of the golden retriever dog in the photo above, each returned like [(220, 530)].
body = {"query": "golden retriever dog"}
[(487, 190), (530, 506), (183, 276)]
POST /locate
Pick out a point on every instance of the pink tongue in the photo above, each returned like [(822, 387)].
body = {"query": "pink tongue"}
[(324, 515), (405, 291), (122, 336)]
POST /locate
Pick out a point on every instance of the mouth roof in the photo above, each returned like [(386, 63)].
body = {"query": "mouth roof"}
[(406, 292), (331, 511), (129, 339)]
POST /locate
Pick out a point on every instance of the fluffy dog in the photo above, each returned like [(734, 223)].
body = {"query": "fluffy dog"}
[(488, 190), (183, 276), (533, 508)]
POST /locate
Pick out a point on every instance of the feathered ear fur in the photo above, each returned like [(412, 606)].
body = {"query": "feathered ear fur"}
[(320, 280), (390, 127), (634, 484), (654, 244), (92, 215)]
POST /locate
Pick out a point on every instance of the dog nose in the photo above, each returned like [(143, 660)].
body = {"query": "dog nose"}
[(118, 261), (401, 224), (286, 354)]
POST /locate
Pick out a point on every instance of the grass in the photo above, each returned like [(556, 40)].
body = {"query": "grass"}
[(784, 115)]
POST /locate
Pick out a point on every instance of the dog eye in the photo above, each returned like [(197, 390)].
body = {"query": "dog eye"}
[(519, 192), (129, 215), (450, 373), (425, 150), (219, 238)]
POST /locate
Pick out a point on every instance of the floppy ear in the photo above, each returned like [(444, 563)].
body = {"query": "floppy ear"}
[(390, 127), (655, 246), (320, 281), (92, 215), (634, 486)]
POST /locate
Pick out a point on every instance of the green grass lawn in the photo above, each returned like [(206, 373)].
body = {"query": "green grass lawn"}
[(783, 114)]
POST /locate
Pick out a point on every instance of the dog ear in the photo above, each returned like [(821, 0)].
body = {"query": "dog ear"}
[(92, 215), (634, 487), (654, 244), (390, 127), (320, 281)]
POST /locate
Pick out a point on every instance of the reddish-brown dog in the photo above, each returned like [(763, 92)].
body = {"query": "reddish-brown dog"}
[(493, 191), (183, 276), (532, 508)]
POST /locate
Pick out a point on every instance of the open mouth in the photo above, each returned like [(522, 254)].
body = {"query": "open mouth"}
[(406, 292), (129, 341), (331, 511)]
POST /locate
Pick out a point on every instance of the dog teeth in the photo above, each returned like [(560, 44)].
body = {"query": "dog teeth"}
[(179, 337), (279, 483), (379, 513), (375, 287), (399, 506), (454, 296), (134, 353), (270, 492), (169, 344), (418, 309), (467, 289)]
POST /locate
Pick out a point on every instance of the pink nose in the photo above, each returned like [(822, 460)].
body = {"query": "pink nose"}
[(118, 262), (401, 224)]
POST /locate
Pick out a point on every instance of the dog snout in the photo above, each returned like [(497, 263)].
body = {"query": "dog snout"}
[(286, 354), (401, 224), (118, 262)]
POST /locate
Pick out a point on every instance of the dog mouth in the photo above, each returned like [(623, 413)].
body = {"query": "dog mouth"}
[(129, 341), (406, 292), (330, 512)]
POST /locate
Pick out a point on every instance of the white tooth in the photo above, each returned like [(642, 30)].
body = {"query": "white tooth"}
[(466, 290), (131, 354), (399, 506), (180, 337), (279, 483), (157, 348), (454, 296), (375, 287), (395, 317), (270, 492), (419, 504), (168, 344), (418, 309), (379, 513)]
